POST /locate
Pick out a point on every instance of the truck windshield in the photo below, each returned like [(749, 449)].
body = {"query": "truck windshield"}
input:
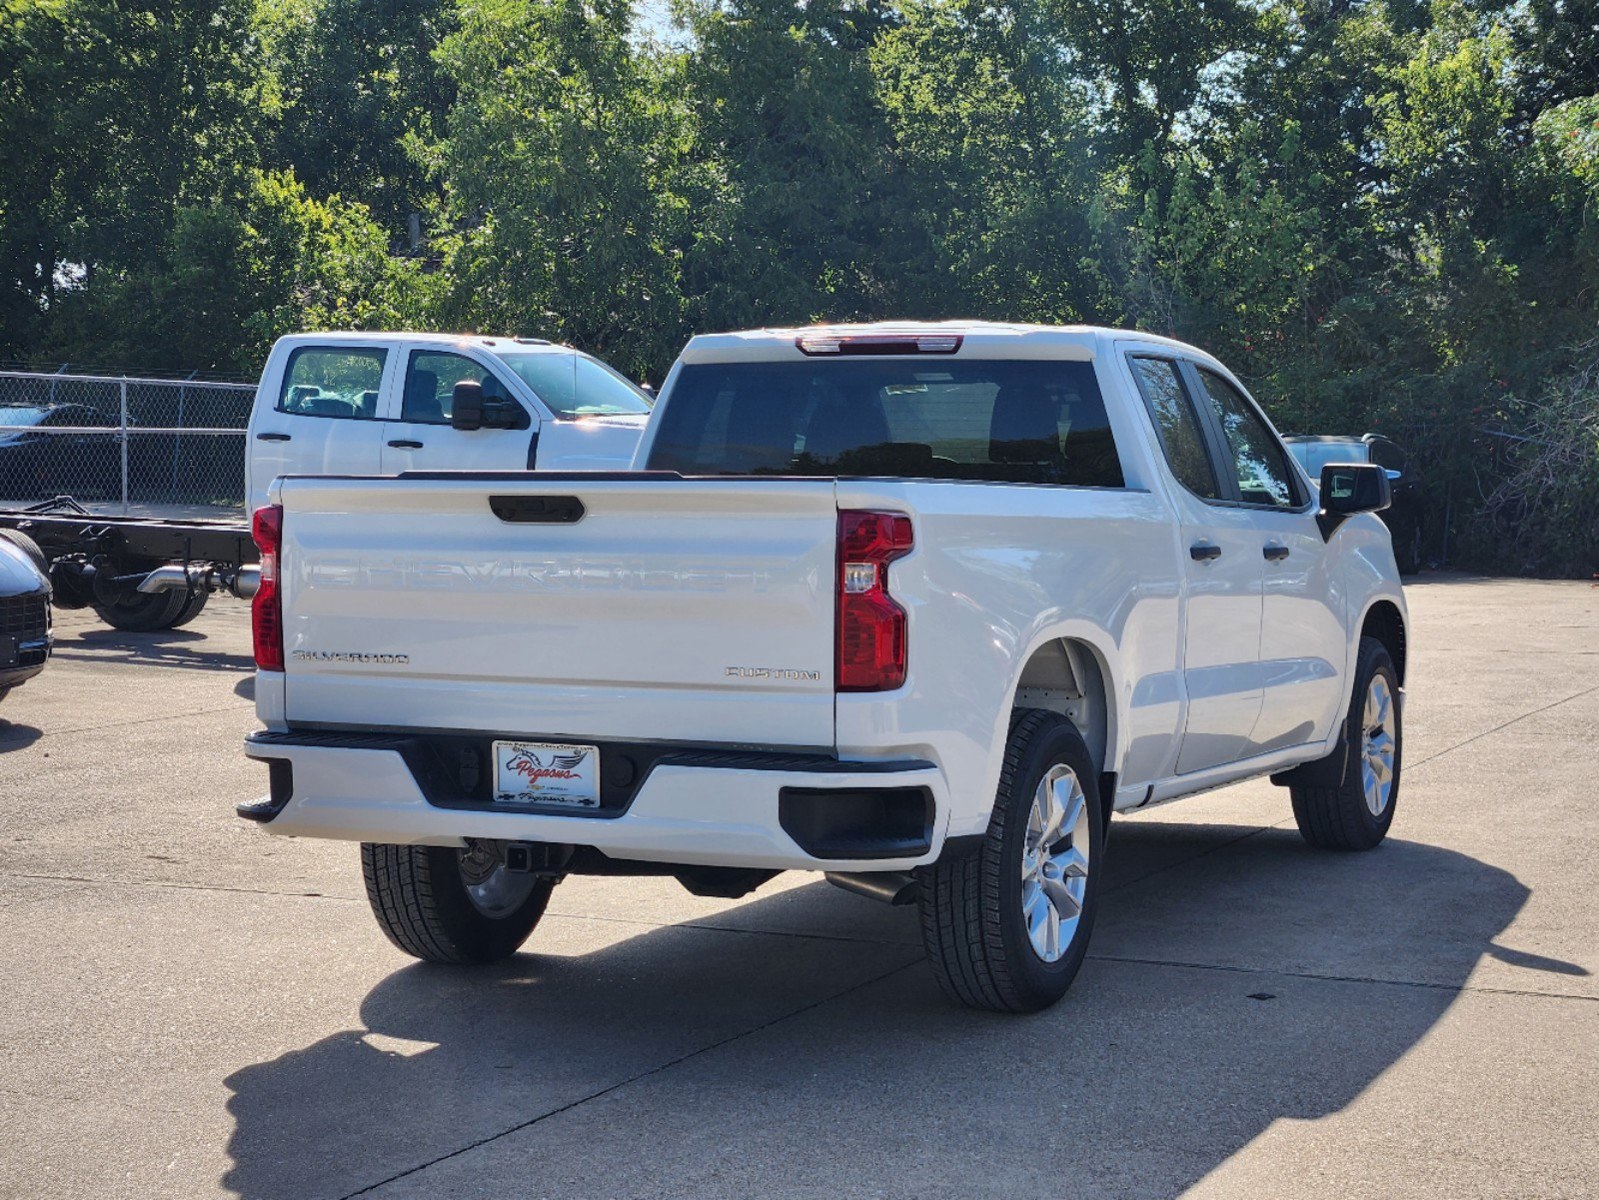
[(1313, 456), (1002, 421), (574, 385)]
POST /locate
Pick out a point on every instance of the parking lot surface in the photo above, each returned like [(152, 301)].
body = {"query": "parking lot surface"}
[(191, 1008)]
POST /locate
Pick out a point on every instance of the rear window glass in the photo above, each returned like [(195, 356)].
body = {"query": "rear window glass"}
[(995, 421), (332, 383)]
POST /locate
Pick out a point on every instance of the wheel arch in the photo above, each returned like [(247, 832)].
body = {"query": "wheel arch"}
[(1384, 621), (1071, 674)]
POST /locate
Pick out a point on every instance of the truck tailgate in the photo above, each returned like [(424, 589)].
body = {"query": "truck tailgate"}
[(670, 609)]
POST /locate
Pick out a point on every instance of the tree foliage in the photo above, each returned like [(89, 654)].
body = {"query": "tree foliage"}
[(1383, 213)]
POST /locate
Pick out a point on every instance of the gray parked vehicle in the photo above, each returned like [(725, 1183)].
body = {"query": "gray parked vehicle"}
[(24, 610)]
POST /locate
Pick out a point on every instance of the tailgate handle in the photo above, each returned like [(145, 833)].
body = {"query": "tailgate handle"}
[(537, 510)]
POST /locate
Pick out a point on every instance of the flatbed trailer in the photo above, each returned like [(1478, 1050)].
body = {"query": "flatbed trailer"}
[(138, 573)]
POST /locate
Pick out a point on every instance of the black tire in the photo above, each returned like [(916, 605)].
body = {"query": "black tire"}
[(421, 903), (192, 607), (973, 924), (140, 612), (29, 547), (1339, 817)]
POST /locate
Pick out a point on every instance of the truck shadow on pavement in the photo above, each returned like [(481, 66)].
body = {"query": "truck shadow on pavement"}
[(167, 648), (797, 1045)]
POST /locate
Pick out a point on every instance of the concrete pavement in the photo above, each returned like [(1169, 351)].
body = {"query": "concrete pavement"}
[(190, 1008)]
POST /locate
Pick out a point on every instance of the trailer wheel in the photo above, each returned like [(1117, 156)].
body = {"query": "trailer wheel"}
[(138, 612), (191, 609), (69, 588), (29, 547)]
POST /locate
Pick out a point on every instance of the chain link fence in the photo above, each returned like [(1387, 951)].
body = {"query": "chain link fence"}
[(157, 447)]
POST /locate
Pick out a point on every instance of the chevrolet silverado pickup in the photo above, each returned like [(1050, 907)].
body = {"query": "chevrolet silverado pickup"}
[(917, 606)]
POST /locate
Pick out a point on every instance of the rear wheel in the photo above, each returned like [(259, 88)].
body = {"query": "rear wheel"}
[(452, 906), (1356, 814), (140, 612), (192, 607), (1007, 926)]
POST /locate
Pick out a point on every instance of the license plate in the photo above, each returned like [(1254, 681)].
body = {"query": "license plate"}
[(546, 773)]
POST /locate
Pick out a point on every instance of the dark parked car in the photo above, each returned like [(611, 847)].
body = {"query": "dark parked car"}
[(36, 464), (24, 610), (1404, 516)]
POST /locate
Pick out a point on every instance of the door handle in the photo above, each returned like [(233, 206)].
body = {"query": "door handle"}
[(1274, 553), (1204, 551), (272, 437), (405, 444)]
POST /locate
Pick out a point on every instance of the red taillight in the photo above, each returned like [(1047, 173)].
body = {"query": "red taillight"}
[(871, 627), (266, 610)]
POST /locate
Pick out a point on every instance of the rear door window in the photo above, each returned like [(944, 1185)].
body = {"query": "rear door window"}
[(1000, 421), (1177, 425), (333, 382)]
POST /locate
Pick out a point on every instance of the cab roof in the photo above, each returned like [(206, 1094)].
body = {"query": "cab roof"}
[(452, 340), (1004, 339)]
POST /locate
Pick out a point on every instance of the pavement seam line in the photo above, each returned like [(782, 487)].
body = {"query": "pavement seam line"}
[(618, 1086), (1499, 728), (1457, 988), (175, 885)]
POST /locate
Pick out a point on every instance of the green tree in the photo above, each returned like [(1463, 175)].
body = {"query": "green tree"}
[(993, 152), (794, 144), (360, 99), (564, 167)]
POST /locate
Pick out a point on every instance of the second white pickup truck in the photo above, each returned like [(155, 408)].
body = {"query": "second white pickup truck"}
[(918, 606)]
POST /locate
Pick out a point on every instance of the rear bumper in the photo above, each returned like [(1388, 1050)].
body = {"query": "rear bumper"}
[(703, 808)]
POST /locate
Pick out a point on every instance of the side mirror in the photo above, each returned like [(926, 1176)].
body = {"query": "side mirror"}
[(1350, 488), (470, 409), (466, 406)]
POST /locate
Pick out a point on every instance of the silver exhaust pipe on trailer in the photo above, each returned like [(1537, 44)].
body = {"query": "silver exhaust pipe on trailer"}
[(243, 582), (172, 577)]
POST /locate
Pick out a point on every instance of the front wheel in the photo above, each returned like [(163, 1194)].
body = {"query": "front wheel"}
[(1007, 926), (1356, 813), (452, 906)]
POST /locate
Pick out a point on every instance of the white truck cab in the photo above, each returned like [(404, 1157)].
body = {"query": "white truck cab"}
[(383, 403)]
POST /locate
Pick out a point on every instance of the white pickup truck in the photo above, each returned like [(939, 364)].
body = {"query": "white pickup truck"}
[(356, 403), (917, 606)]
